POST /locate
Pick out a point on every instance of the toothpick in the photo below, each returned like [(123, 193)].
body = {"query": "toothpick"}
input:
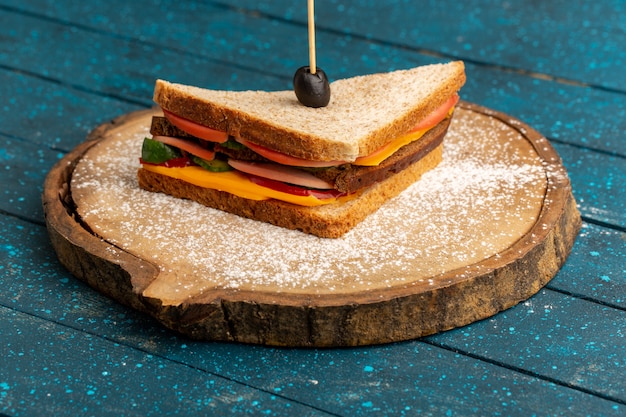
[(311, 11)]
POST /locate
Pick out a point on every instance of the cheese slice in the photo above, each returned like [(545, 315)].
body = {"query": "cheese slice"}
[(236, 183), (376, 157), (386, 151)]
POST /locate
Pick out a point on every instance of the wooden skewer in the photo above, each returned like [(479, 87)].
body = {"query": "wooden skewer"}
[(311, 13)]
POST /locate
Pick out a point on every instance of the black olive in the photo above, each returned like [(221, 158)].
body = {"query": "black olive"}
[(312, 90)]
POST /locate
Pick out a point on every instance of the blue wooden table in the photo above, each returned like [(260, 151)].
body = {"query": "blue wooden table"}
[(66, 67)]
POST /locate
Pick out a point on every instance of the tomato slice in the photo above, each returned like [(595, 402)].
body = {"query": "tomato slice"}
[(294, 189), (285, 159), (438, 115), (196, 129)]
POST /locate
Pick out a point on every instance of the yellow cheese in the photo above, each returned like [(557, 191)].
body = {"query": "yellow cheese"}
[(386, 151), (235, 183)]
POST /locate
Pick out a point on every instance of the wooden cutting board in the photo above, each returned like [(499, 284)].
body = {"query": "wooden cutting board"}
[(486, 229)]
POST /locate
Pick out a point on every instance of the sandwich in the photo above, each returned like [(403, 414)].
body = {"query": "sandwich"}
[(264, 156)]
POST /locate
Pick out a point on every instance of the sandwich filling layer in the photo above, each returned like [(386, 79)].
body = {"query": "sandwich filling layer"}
[(211, 159)]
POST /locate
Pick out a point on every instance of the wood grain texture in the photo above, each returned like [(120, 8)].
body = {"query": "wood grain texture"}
[(496, 283), (534, 37), (24, 166), (100, 387), (596, 267), (545, 39), (562, 346), (57, 307)]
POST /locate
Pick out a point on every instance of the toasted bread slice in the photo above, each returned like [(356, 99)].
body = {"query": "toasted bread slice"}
[(364, 112)]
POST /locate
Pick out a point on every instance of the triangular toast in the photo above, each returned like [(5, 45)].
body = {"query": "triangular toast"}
[(364, 112)]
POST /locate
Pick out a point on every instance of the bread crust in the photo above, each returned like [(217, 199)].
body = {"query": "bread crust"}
[(327, 221), (342, 131)]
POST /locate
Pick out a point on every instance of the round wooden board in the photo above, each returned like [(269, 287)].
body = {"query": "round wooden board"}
[(359, 307)]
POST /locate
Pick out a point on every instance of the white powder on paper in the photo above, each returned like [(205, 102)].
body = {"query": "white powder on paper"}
[(484, 196)]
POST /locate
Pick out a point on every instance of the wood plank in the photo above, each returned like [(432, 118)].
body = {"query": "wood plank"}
[(410, 378), (575, 40), (34, 283), (563, 338), (545, 39), (51, 114), (41, 375), (596, 267), (33, 208), (25, 165), (46, 378), (596, 180), (115, 66), (576, 115)]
